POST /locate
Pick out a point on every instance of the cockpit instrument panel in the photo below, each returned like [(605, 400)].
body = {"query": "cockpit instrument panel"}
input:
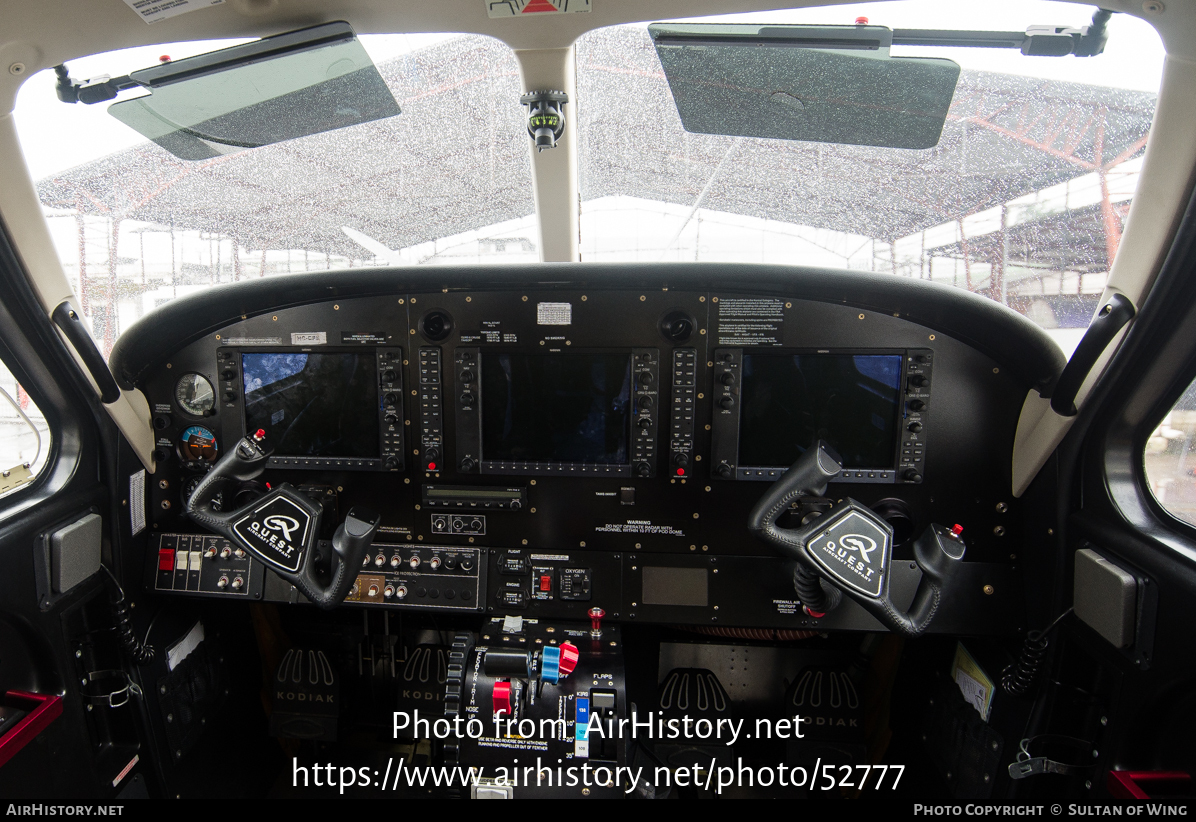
[(612, 440)]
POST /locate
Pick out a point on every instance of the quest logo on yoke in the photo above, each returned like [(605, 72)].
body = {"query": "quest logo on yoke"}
[(276, 532), (853, 552)]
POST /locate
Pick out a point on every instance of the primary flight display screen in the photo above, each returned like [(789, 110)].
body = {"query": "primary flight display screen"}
[(313, 405), (852, 401), (562, 408)]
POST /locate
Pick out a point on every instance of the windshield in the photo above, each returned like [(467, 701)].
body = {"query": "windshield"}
[(1022, 200), (448, 180)]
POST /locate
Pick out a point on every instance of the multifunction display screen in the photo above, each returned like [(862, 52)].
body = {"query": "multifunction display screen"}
[(563, 408), (852, 401), (313, 405)]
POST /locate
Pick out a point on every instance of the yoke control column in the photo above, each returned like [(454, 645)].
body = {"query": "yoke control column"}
[(850, 548)]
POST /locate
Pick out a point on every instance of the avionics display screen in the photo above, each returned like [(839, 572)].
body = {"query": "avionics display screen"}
[(313, 405), (852, 401), (556, 408)]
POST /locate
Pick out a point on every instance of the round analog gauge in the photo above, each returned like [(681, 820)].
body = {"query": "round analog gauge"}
[(195, 395), (198, 444), (189, 489)]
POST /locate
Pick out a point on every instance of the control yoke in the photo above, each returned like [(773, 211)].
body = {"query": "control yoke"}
[(281, 528), (851, 547)]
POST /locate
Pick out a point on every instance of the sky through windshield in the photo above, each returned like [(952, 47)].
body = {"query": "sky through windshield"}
[(1022, 200)]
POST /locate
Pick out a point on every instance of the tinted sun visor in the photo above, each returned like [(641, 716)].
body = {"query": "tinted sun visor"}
[(275, 89), (828, 84)]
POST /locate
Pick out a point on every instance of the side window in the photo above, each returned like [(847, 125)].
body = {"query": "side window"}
[(24, 435), (1171, 459)]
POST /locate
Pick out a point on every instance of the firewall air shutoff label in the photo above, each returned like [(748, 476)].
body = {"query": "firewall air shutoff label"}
[(515, 8), (152, 11)]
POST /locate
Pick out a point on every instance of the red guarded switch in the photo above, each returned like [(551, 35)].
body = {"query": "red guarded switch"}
[(568, 661), (502, 697), (166, 559), (545, 582)]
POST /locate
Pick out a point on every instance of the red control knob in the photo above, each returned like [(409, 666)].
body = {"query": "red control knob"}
[(568, 661), (502, 694), (596, 615), (259, 434)]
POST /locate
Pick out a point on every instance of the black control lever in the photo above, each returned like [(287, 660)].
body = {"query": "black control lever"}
[(852, 547), (282, 527)]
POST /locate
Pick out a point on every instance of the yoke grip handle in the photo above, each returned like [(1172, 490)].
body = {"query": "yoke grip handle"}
[(806, 477)]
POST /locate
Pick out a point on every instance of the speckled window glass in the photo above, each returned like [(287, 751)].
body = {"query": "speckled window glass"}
[(1022, 200)]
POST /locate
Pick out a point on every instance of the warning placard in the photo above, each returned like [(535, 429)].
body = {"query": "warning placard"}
[(152, 11), (515, 8), (750, 321)]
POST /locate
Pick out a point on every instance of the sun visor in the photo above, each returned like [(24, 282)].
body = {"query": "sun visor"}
[(267, 91), (828, 84)]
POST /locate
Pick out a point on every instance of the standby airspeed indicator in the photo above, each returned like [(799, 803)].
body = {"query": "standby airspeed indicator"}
[(195, 395)]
